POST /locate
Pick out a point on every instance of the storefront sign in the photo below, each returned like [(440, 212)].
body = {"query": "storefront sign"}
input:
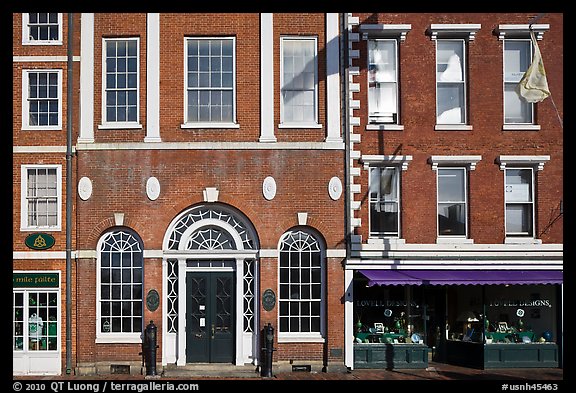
[(384, 303), (520, 303), (268, 300), (35, 280), (39, 241)]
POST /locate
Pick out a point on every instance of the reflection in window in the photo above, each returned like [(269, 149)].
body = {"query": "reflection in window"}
[(121, 80), (450, 82), (517, 59), (384, 201), (452, 202), (382, 81)]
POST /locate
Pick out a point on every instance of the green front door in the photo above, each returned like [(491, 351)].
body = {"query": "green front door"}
[(210, 317)]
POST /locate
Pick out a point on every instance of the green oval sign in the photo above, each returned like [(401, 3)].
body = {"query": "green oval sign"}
[(39, 241)]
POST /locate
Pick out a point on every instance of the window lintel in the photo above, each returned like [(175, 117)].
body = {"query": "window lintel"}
[(521, 31), (368, 160), (466, 31), (469, 161), (385, 30), (537, 161)]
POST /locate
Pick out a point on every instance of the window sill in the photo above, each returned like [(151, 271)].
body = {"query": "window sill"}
[(42, 43), (454, 240), (209, 125), (522, 240), (452, 127), (120, 126), (41, 229), (119, 339), (300, 339), (42, 128), (299, 125), (374, 239), (521, 127), (384, 127)]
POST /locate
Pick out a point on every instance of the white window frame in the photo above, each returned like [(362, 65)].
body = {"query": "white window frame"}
[(521, 235), (516, 125), (464, 170), (24, 226), (207, 124), (304, 336), (115, 337), (464, 82), (26, 32), (378, 199), (315, 123), (371, 116), (25, 99), (105, 124)]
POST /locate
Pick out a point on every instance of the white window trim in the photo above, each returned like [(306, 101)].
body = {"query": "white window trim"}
[(464, 124), (521, 30), (379, 30), (111, 338), (396, 82), (534, 161), (112, 125), (223, 125), (454, 238), (469, 161), (465, 31), (520, 238), (26, 106), (26, 32), (24, 227), (530, 126), (372, 235), (315, 123), (317, 337)]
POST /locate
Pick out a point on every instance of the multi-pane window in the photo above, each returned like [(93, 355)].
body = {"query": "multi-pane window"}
[(452, 210), (42, 28), (121, 74), (41, 197), (299, 81), (301, 284), (120, 289), (210, 80), (517, 59), (384, 201), (382, 81), (35, 320), (450, 82), (518, 193), (42, 99)]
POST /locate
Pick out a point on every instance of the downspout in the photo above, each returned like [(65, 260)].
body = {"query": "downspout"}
[(69, 97), (345, 124)]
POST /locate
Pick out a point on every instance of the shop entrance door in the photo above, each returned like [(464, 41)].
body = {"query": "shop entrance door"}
[(210, 317)]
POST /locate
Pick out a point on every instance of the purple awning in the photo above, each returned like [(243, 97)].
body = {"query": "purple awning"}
[(461, 277)]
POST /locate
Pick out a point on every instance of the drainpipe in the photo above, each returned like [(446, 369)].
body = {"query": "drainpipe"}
[(345, 125), (69, 91)]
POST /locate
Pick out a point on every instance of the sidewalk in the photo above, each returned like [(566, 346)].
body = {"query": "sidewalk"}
[(435, 371)]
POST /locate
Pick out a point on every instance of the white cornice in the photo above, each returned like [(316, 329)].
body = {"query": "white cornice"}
[(368, 160), (537, 161), (457, 30), (470, 161), (385, 30), (521, 31)]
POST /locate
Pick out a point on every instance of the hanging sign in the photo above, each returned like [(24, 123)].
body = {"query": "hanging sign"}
[(39, 241)]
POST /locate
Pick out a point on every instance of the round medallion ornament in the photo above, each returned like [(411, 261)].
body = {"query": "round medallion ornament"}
[(153, 188), (268, 299), (335, 188), (152, 300), (85, 188), (269, 188)]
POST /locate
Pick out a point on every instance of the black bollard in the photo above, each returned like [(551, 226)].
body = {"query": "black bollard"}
[(268, 334), (149, 348)]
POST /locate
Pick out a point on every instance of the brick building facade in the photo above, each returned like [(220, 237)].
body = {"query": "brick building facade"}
[(218, 159)]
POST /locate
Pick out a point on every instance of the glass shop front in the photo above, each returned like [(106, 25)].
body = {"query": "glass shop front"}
[(408, 323)]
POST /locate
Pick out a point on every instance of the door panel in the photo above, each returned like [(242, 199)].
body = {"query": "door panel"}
[(210, 317)]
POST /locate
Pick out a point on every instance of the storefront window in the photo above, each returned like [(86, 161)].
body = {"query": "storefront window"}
[(35, 322)]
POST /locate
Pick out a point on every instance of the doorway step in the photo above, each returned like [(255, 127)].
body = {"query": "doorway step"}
[(195, 370)]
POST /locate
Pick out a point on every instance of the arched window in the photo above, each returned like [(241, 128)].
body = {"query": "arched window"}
[(301, 284), (120, 285)]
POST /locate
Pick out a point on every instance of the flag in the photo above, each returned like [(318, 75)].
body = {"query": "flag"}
[(533, 86)]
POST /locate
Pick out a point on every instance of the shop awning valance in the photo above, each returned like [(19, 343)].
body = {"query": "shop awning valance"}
[(461, 277)]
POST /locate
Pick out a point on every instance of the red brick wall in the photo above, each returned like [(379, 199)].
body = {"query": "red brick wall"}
[(485, 111)]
